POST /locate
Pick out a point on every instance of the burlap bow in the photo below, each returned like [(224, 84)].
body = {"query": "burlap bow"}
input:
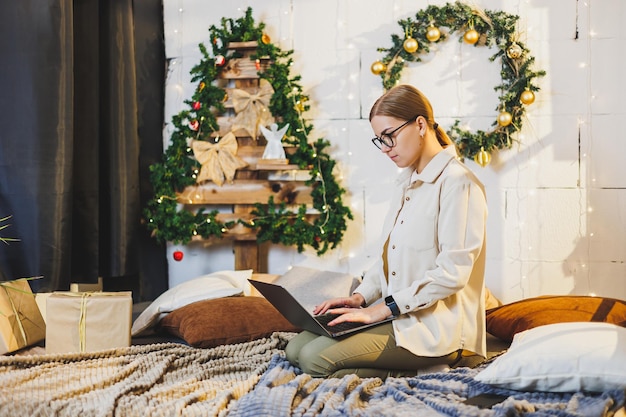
[(218, 160), (252, 109)]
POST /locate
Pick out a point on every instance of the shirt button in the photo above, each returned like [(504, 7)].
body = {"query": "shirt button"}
[(393, 273), (407, 307), (393, 246), (401, 221), (407, 198)]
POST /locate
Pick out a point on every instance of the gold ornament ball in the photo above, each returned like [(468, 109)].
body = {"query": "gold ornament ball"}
[(527, 97), (410, 45), (505, 118), (377, 68), (514, 51), (265, 38), (471, 36), (433, 34), (483, 157)]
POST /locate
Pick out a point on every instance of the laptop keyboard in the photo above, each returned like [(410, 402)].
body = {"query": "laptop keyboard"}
[(324, 319)]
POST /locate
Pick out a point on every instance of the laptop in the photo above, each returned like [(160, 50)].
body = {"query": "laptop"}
[(300, 317)]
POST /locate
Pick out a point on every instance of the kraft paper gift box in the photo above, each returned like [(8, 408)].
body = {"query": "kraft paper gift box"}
[(88, 321), (21, 323)]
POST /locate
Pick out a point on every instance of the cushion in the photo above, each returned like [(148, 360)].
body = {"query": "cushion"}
[(507, 320), (211, 323), (213, 285), (562, 357)]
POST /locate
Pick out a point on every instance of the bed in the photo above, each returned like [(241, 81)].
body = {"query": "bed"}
[(239, 369)]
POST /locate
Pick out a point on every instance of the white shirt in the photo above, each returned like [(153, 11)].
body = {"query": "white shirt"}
[(436, 259)]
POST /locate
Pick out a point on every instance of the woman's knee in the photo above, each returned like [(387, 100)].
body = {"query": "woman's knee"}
[(313, 362)]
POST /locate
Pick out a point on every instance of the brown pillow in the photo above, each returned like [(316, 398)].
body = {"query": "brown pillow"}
[(209, 323), (507, 320)]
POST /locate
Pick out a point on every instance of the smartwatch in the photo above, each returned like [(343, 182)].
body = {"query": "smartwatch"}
[(391, 303)]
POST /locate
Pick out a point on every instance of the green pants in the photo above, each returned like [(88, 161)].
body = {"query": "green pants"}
[(370, 353)]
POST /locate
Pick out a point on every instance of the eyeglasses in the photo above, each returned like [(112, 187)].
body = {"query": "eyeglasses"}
[(387, 137)]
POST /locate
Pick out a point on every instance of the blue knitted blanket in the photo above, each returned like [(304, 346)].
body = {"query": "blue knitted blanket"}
[(284, 390)]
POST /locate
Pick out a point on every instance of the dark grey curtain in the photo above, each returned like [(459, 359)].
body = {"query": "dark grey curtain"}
[(81, 115)]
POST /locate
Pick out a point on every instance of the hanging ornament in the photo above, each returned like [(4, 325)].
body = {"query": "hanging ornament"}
[(194, 125), (265, 38), (410, 45), (527, 97), (257, 64), (514, 51), (220, 60), (378, 68), (178, 255), (483, 157), (225, 99), (432, 33), (299, 106), (505, 118), (471, 36), (196, 105), (201, 86)]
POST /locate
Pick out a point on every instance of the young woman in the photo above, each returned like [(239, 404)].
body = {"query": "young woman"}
[(430, 276)]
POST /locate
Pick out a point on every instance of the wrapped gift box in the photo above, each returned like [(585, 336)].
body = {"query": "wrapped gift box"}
[(21, 323), (88, 321)]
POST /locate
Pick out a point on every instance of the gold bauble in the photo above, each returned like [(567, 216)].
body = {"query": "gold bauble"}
[(433, 34), (410, 45), (471, 36), (378, 67), (265, 38), (527, 97), (505, 118), (483, 157), (514, 51)]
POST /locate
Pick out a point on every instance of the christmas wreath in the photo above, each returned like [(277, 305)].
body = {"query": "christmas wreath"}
[(479, 28), (272, 221)]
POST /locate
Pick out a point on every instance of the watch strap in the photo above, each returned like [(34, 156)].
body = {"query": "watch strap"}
[(391, 303)]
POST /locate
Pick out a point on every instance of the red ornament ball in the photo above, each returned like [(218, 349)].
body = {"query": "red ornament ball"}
[(178, 255), (197, 105), (220, 60)]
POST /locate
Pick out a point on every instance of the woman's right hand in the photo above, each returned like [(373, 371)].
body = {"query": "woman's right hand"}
[(356, 300)]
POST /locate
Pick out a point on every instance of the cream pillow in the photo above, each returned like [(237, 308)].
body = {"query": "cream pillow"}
[(562, 357), (205, 287)]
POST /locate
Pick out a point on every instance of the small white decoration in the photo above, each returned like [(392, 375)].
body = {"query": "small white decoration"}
[(274, 148)]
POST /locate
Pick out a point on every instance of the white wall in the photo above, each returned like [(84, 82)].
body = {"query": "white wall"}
[(557, 202)]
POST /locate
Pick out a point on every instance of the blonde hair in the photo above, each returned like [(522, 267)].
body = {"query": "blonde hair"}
[(406, 102)]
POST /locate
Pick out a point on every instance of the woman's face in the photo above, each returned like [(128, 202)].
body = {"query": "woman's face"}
[(408, 142)]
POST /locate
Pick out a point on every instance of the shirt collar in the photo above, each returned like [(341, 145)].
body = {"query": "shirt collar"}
[(433, 169)]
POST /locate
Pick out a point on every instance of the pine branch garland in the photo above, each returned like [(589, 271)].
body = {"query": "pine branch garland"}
[(272, 222), (496, 29)]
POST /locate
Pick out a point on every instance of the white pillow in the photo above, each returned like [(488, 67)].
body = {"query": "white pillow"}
[(562, 357), (205, 287)]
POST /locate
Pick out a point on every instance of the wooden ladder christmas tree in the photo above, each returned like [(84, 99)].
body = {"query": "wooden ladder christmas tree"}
[(242, 152)]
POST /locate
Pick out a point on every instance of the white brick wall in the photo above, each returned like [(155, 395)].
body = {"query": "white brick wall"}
[(557, 201)]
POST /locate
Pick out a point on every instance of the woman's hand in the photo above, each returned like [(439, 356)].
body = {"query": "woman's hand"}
[(349, 309), (356, 300), (370, 314)]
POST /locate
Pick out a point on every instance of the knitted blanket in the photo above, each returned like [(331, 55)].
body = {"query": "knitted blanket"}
[(152, 380), (286, 391), (251, 379)]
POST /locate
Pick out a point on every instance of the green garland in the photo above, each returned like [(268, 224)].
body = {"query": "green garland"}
[(492, 29), (272, 222)]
